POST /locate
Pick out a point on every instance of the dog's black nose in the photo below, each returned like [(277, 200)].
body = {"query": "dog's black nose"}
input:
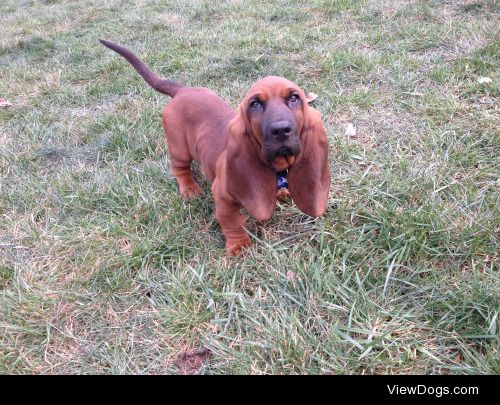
[(281, 129)]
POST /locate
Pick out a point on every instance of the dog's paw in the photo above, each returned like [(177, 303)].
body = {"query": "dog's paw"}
[(283, 195), (191, 191), (235, 248)]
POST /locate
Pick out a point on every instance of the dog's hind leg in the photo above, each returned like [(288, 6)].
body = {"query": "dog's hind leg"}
[(184, 176)]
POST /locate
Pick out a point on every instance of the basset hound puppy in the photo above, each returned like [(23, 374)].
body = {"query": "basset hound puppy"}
[(275, 145)]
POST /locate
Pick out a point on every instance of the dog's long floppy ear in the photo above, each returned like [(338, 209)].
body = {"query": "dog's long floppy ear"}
[(309, 176), (248, 180)]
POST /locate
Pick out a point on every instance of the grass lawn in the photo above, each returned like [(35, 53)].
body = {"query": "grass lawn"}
[(105, 269)]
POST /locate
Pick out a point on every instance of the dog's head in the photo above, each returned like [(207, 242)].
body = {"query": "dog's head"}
[(285, 133), (273, 112)]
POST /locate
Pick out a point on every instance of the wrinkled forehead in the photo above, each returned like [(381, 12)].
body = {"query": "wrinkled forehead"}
[(273, 87)]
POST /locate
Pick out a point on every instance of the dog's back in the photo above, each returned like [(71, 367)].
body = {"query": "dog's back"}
[(187, 130)]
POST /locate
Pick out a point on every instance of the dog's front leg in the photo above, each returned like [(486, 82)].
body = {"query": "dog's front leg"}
[(231, 221)]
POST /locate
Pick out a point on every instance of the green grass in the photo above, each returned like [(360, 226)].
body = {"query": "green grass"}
[(105, 269)]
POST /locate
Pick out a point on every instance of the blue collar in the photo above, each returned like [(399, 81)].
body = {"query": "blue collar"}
[(282, 180)]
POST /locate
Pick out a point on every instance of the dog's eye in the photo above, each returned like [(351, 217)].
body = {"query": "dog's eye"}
[(294, 98), (255, 105)]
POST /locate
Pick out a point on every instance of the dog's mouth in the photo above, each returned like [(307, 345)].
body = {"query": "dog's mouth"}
[(283, 158), (284, 151)]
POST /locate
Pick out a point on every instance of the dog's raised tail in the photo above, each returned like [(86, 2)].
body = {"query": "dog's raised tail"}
[(163, 86)]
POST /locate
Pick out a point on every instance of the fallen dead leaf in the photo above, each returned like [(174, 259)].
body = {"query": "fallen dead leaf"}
[(190, 362), (310, 97), (351, 131), (4, 103), (483, 80)]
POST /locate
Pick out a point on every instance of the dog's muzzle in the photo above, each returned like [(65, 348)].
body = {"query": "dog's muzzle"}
[(284, 151), (284, 156)]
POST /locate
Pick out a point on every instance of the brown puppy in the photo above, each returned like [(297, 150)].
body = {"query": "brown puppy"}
[(240, 153)]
